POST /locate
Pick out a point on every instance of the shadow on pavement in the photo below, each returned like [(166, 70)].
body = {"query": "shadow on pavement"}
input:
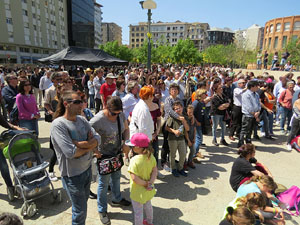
[(172, 215), (272, 150)]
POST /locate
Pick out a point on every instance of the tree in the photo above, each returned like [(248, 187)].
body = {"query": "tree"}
[(118, 51), (293, 48), (184, 52)]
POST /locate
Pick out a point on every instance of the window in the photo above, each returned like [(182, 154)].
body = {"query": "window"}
[(132, 35), (33, 15), (9, 21), (132, 46), (278, 27), (269, 44), (132, 29), (46, 51), (26, 25), (137, 45), (10, 34), (137, 35), (137, 40), (271, 28), (287, 26), (142, 34), (24, 12), (142, 28), (284, 41), (132, 40), (33, 4), (24, 1), (35, 51), (24, 49), (34, 27), (294, 38), (267, 28), (168, 28), (276, 43), (142, 40), (137, 29), (297, 25)]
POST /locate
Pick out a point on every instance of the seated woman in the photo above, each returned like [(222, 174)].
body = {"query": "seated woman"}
[(240, 215), (242, 169), (252, 201), (264, 184)]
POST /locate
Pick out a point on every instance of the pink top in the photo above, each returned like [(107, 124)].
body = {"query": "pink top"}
[(26, 106), (286, 99)]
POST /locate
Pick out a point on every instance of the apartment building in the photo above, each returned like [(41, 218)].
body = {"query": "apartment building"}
[(31, 29), (220, 36), (111, 32), (169, 32), (250, 38), (278, 32)]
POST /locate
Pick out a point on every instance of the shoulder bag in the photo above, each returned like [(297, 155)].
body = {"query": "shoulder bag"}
[(110, 164)]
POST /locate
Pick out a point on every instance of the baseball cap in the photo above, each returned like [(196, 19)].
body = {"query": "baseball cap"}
[(139, 140)]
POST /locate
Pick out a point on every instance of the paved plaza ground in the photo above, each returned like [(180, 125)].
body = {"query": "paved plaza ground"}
[(198, 199)]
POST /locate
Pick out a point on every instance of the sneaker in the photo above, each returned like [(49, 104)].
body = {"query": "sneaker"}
[(175, 173), (263, 134), (256, 137), (289, 147), (191, 164), (160, 175), (146, 223), (123, 202), (11, 193), (214, 142), (167, 168), (92, 195), (197, 160), (269, 137), (203, 145), (126, 161), (183, 173), (53, 177), (200, 155), (104, 218), (277, 123), (223, 142)]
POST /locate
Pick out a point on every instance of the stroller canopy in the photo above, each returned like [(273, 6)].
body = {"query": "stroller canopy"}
[(82, 56)]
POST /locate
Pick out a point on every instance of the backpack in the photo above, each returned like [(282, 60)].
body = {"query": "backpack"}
[(291, 197), (14, 116)]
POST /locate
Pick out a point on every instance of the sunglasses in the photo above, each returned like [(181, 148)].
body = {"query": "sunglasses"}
[(76, 101), (113, 113)]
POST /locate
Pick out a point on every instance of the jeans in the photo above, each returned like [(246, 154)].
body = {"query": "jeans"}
[(271, 121), (92, 102), (112, 179), (265, 123), (30, 125), (273, 63), (285, 113), (4, 170), (218, 120), (78, 189), (199, 138), (155, 149)]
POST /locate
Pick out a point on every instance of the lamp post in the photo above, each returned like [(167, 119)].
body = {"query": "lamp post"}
[(149, 4)]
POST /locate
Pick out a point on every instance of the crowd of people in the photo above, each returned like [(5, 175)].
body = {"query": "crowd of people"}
[(98, 115)]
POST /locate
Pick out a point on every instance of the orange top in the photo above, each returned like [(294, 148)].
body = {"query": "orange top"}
[(268, 104), (193, 96)]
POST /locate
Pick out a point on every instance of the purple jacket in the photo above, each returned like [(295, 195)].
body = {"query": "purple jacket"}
[(26, 106)]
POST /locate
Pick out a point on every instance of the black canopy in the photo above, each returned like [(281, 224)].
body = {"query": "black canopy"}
[(82, 56)]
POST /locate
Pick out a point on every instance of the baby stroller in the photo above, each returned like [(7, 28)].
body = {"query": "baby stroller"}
[(30, 177)]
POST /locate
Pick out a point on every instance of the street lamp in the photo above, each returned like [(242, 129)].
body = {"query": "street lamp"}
[(148, 4)]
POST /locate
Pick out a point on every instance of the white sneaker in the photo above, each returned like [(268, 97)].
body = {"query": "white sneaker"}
[(277, 123), (160, 175), (263, 134), (53, 177), (289, 147)]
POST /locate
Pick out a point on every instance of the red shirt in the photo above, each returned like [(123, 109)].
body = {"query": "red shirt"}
[(107, 90)]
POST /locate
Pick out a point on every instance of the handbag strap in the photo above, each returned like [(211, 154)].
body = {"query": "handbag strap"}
[(119, 130)]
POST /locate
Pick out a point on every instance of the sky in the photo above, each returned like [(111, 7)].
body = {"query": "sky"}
[(235, 14)]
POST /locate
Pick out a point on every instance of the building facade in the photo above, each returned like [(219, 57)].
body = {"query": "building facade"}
[(81, 23), (98, 25), (220, 36), (111, 32), (32, 29), (169, 33), (250, 38), (278, 32)]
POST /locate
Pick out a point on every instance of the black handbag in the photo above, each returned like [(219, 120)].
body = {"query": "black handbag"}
[(110, 164), (48, 117)]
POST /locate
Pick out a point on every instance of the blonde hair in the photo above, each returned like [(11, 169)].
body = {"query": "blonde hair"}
[(147, 151), (252, 200), (200, 92), (190, 107), (265, 180)]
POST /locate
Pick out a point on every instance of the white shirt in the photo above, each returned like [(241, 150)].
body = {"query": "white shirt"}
[(45, 83), (237, 96), (168, 83), (129, 101), (141, 120)]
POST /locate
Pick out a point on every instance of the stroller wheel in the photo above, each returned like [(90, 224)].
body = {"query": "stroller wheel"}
[(11, 193), (24, 209), (31, 210)]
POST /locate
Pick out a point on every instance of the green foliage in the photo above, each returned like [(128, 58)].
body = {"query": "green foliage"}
[(184, 52), (116, 50), (293, 48)]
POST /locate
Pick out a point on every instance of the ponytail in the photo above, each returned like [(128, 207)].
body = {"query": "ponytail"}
[(240, 215), (147, 151)]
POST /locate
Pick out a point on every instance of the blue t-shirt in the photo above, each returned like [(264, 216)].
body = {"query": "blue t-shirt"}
[(245, 189)]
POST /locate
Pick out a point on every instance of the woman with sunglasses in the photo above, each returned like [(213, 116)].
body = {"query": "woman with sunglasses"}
[(28, 111), (105, 124)]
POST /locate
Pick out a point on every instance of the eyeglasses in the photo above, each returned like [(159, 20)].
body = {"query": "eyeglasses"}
[(75, 102)]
